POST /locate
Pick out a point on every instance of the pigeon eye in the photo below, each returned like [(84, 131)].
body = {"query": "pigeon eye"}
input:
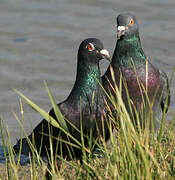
[(90, 47), (131, 21)]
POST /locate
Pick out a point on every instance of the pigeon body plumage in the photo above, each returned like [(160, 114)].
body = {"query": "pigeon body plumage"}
[(86, 98), (130, 62)]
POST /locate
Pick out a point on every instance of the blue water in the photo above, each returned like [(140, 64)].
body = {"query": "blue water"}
[(39, 40), (23, 158)]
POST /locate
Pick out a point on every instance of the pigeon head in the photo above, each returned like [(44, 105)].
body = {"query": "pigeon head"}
[(92, 50), (126, 25)]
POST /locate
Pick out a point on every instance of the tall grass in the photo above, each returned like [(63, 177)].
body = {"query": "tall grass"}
[(131, 152)]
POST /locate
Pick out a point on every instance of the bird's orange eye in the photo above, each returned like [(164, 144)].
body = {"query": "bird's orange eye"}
[(90, 47), (131, 21)]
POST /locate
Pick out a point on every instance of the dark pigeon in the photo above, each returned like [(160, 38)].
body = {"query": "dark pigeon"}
[(129, 52), (86, 87)]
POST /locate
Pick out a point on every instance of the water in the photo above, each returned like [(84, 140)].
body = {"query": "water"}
[(39, 40), (23, 158)]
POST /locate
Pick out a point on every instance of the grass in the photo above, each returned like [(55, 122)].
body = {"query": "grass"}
[(131, 153)]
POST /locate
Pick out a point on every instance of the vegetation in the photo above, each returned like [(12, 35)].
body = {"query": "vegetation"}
[(131, 153)]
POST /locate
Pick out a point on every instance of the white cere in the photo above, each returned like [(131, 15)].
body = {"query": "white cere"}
[(104, 52), (121, 28)]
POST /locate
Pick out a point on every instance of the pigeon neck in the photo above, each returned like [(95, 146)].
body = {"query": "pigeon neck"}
[(128, 49), (87, 80)]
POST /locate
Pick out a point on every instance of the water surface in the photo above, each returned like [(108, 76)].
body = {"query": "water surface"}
[(39, 40)]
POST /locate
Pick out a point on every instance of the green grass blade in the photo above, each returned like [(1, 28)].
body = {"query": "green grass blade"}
[(44, 114), (47, 117), (57, 111)]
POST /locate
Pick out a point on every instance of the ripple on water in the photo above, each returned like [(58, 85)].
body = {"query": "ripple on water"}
[(39, 41), (23, 158)]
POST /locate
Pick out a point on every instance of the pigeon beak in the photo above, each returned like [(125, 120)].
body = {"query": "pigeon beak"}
[(105, 54), (121, 31)]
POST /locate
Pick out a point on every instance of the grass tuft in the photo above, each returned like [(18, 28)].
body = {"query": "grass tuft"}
[(131, 153)]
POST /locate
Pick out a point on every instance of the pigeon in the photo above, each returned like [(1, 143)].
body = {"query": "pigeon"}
[(130, 62), (85, 100)]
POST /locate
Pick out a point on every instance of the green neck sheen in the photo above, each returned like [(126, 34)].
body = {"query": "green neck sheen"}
[(87, 79), (129, 49)]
